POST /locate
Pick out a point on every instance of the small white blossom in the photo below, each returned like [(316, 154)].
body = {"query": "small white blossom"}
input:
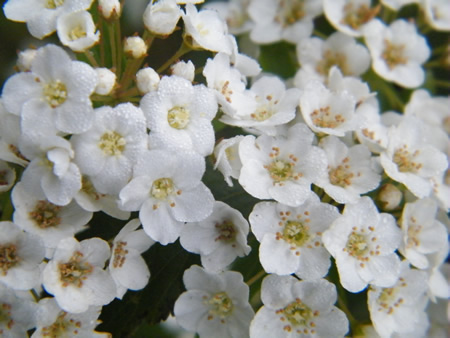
[(437, 14), (363, 243), (147, 80), (227, 158), (214, 305), (76, 30), (161, 17), (219, 238), (135, 47), (10, 138), (110, 8), (75, 275), (291, 238), (397, 52), (184, 69), (126, 265), (294, 308), (25, 58), (106, 81), (167, 191)]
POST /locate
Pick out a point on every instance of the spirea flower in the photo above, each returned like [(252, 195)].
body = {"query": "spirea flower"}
[(75, 275), (294, 308), (291, 238), (76, 30), (219, 238), (363, 243), (167, 191), (214, 305)]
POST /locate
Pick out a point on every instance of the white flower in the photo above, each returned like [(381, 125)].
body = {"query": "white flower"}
[(437, 14), (291, 238), (184, 69), (235, 14), (274, 106), (161, 17), (219, 238), (400, 308), (206, 29), (76, 30), (106, 81), (18, 314), (135, 47), (147, 80), (363, 242), (108, 151), (20, 256), (50, 222), (7, 176), (179, 115), (126, 265), (227, 158), (167, 191), (294, 308), (75, 275), (350, 171), (109, 8), (289, 20), (410, 160), (25, 58), (397, 52), (55, 93), (281, 168), (10, 137), (41, 16), (51, 321), (339, 50), (349, 16), (214, 305), (422, 233)]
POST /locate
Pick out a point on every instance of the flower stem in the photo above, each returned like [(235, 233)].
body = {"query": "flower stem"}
[(184, 48), (91, 58), (256, 277)]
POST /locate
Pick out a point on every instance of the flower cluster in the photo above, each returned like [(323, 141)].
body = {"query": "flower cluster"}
[(325, 118)]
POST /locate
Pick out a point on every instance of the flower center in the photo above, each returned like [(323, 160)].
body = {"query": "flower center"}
[(119, 254), (5, 316), (162, 188), (88, 188), (76, 33), (280, 170), (60, 327), (45, 214), (388, 299), (357, 245), (325, 118), (341, 176), (298, 314), (220, 305), (55, 93), (296, 233), (112, 143), (393, 54), (226, 231), (331, 59), (405, 160), (262, 113), (52, 4), (356, 17), (178, 117), (8, 258), (290, 12), (75, 271)]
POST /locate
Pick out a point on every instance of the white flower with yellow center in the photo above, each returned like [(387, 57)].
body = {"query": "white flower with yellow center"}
[(282, 167), (161, 17), (410, 159), (75, 275), (214, 305), (223, 237), (167, 190), (350, 171), (126, 265), (423, 234), (108, 151), (291, 238), (397, 52), (54, 95), (363, 243), (294, 308), (41, 15), (179, 115), (76, 30), (437, 14), (400, 308)]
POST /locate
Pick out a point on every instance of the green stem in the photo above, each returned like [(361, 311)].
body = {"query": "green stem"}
[(442, 83), (341, 304), (112, 42), (102, 40), (180, 52), (91, 58), (128, 93), (119, 46), (256, 277)]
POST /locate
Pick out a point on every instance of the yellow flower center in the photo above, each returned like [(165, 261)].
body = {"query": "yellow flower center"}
[(112, 143), (8, 258), (393, 54), (75, 271), (55, 93), (178, 117), (52, 4), (46, 214), (162, 188)]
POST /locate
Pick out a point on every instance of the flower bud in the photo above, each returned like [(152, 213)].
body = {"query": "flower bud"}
[(25, 59), (135, 47), (147, 80), (184, 69), (106, 81), (162, 17), (109, 8), (389, 197)]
